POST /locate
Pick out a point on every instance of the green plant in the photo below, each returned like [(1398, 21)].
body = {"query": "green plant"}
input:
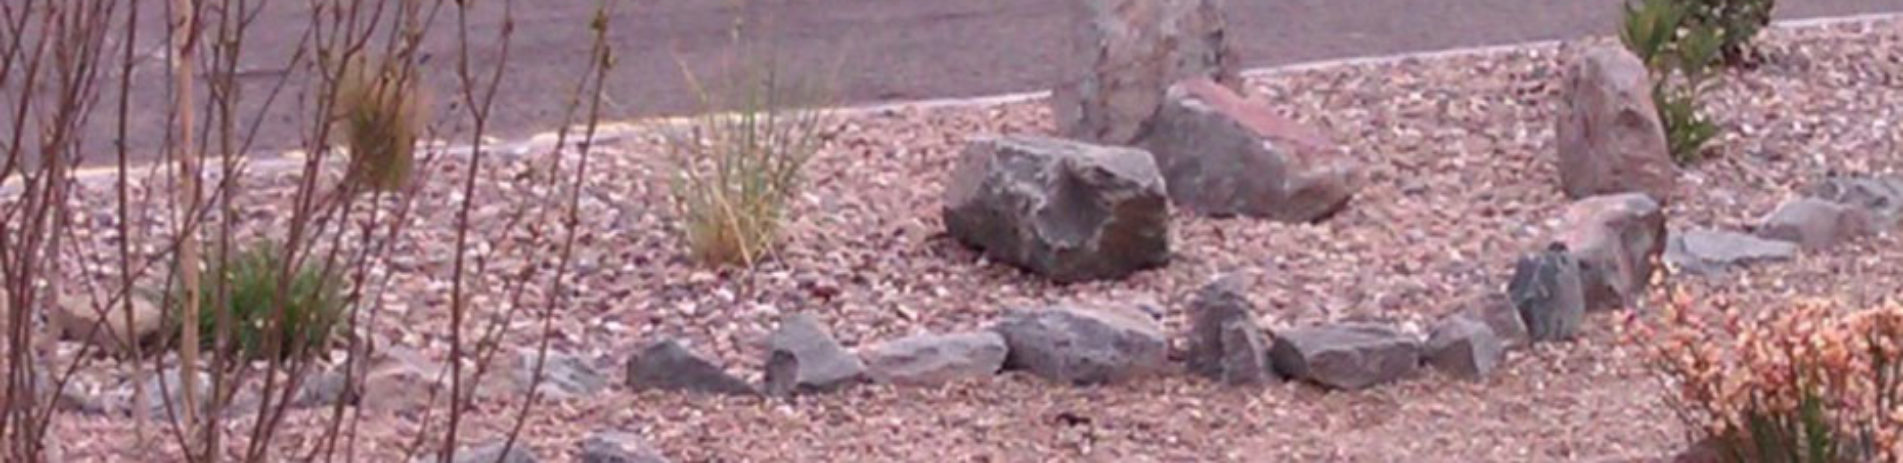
[(294, 323), (1738, 22), (1679, 52), (738, 165)]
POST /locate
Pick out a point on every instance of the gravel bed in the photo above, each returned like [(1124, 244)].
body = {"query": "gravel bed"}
[(1459, 178)]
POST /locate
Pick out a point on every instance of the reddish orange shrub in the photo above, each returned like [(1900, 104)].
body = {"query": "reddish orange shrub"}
[(1807, 382)]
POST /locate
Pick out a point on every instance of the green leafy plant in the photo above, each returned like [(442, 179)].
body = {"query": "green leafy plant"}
[(264, 321), (1679, 52), (1737, 21), (738, 165)]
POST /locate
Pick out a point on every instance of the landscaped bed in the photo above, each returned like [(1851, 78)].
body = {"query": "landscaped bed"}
[(1460, 182)]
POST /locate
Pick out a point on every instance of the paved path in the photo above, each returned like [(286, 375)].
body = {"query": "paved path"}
[(909, 49)]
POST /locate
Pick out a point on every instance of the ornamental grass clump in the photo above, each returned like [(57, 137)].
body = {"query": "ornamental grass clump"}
[(376, 115), (737, 166), (1808, 382), (269, 314)]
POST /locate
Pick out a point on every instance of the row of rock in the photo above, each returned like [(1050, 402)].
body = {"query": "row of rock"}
[(1157, 117), (1827, 213)]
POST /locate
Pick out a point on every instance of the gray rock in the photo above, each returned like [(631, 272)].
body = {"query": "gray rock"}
[(165, 393), (1132, 50), (803, 358), (1715, 253), (1245, 359), (1223, 155), (1224, 342), (564, 376), (668, 366), (933, 359), (1065, 210), (617, 447), (488, 453), (1495, 309), (1465, 348), (1609, 136), (1348, 356), (1082, 346), (325, 388), (1880, 197), (1615, 238), (1815, 223), (1547, 291)]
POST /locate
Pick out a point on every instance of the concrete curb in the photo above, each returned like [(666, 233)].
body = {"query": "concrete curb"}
[(620, 129)]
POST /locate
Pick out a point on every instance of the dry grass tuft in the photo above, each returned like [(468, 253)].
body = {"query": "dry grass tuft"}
[(377, 111)]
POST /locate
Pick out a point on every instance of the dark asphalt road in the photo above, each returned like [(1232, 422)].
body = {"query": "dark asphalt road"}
[(890, 49)]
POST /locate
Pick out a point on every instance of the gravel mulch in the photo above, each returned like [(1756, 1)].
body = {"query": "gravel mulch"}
[(1460, 182)]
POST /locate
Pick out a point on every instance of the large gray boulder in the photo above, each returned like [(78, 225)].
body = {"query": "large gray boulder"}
[(1068, 211), (1083, 346), (1880, 197), (1132, 50), (667, 365), (1615, 238), (934, 359), (1609, 136), (1223, 155), (803, 358), (1224, 342), (1815, 223), (1549, 294), (1715, 253), (1348, 356)]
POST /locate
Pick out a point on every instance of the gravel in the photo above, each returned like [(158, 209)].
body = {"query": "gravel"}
[(1459, 152)]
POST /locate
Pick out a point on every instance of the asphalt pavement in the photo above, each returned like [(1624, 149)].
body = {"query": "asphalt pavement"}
[(880, 50)]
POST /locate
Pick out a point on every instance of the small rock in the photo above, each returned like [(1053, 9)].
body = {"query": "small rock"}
[(667, 365), (1224, 342), (1881, 198), (79, 318), (1465, 348), (1713, 253), (803, 358), (1347, 356), (1609, 136), (617, 447), (399, 380), (1082, 346), (1223, 155), (564, 376), (1495, 309), (324, 388), (165, 395), (1815, 223), (489, 453), (1547, 291), (930, 359), (1065, 210), (1615, 239), (1134, 49)]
